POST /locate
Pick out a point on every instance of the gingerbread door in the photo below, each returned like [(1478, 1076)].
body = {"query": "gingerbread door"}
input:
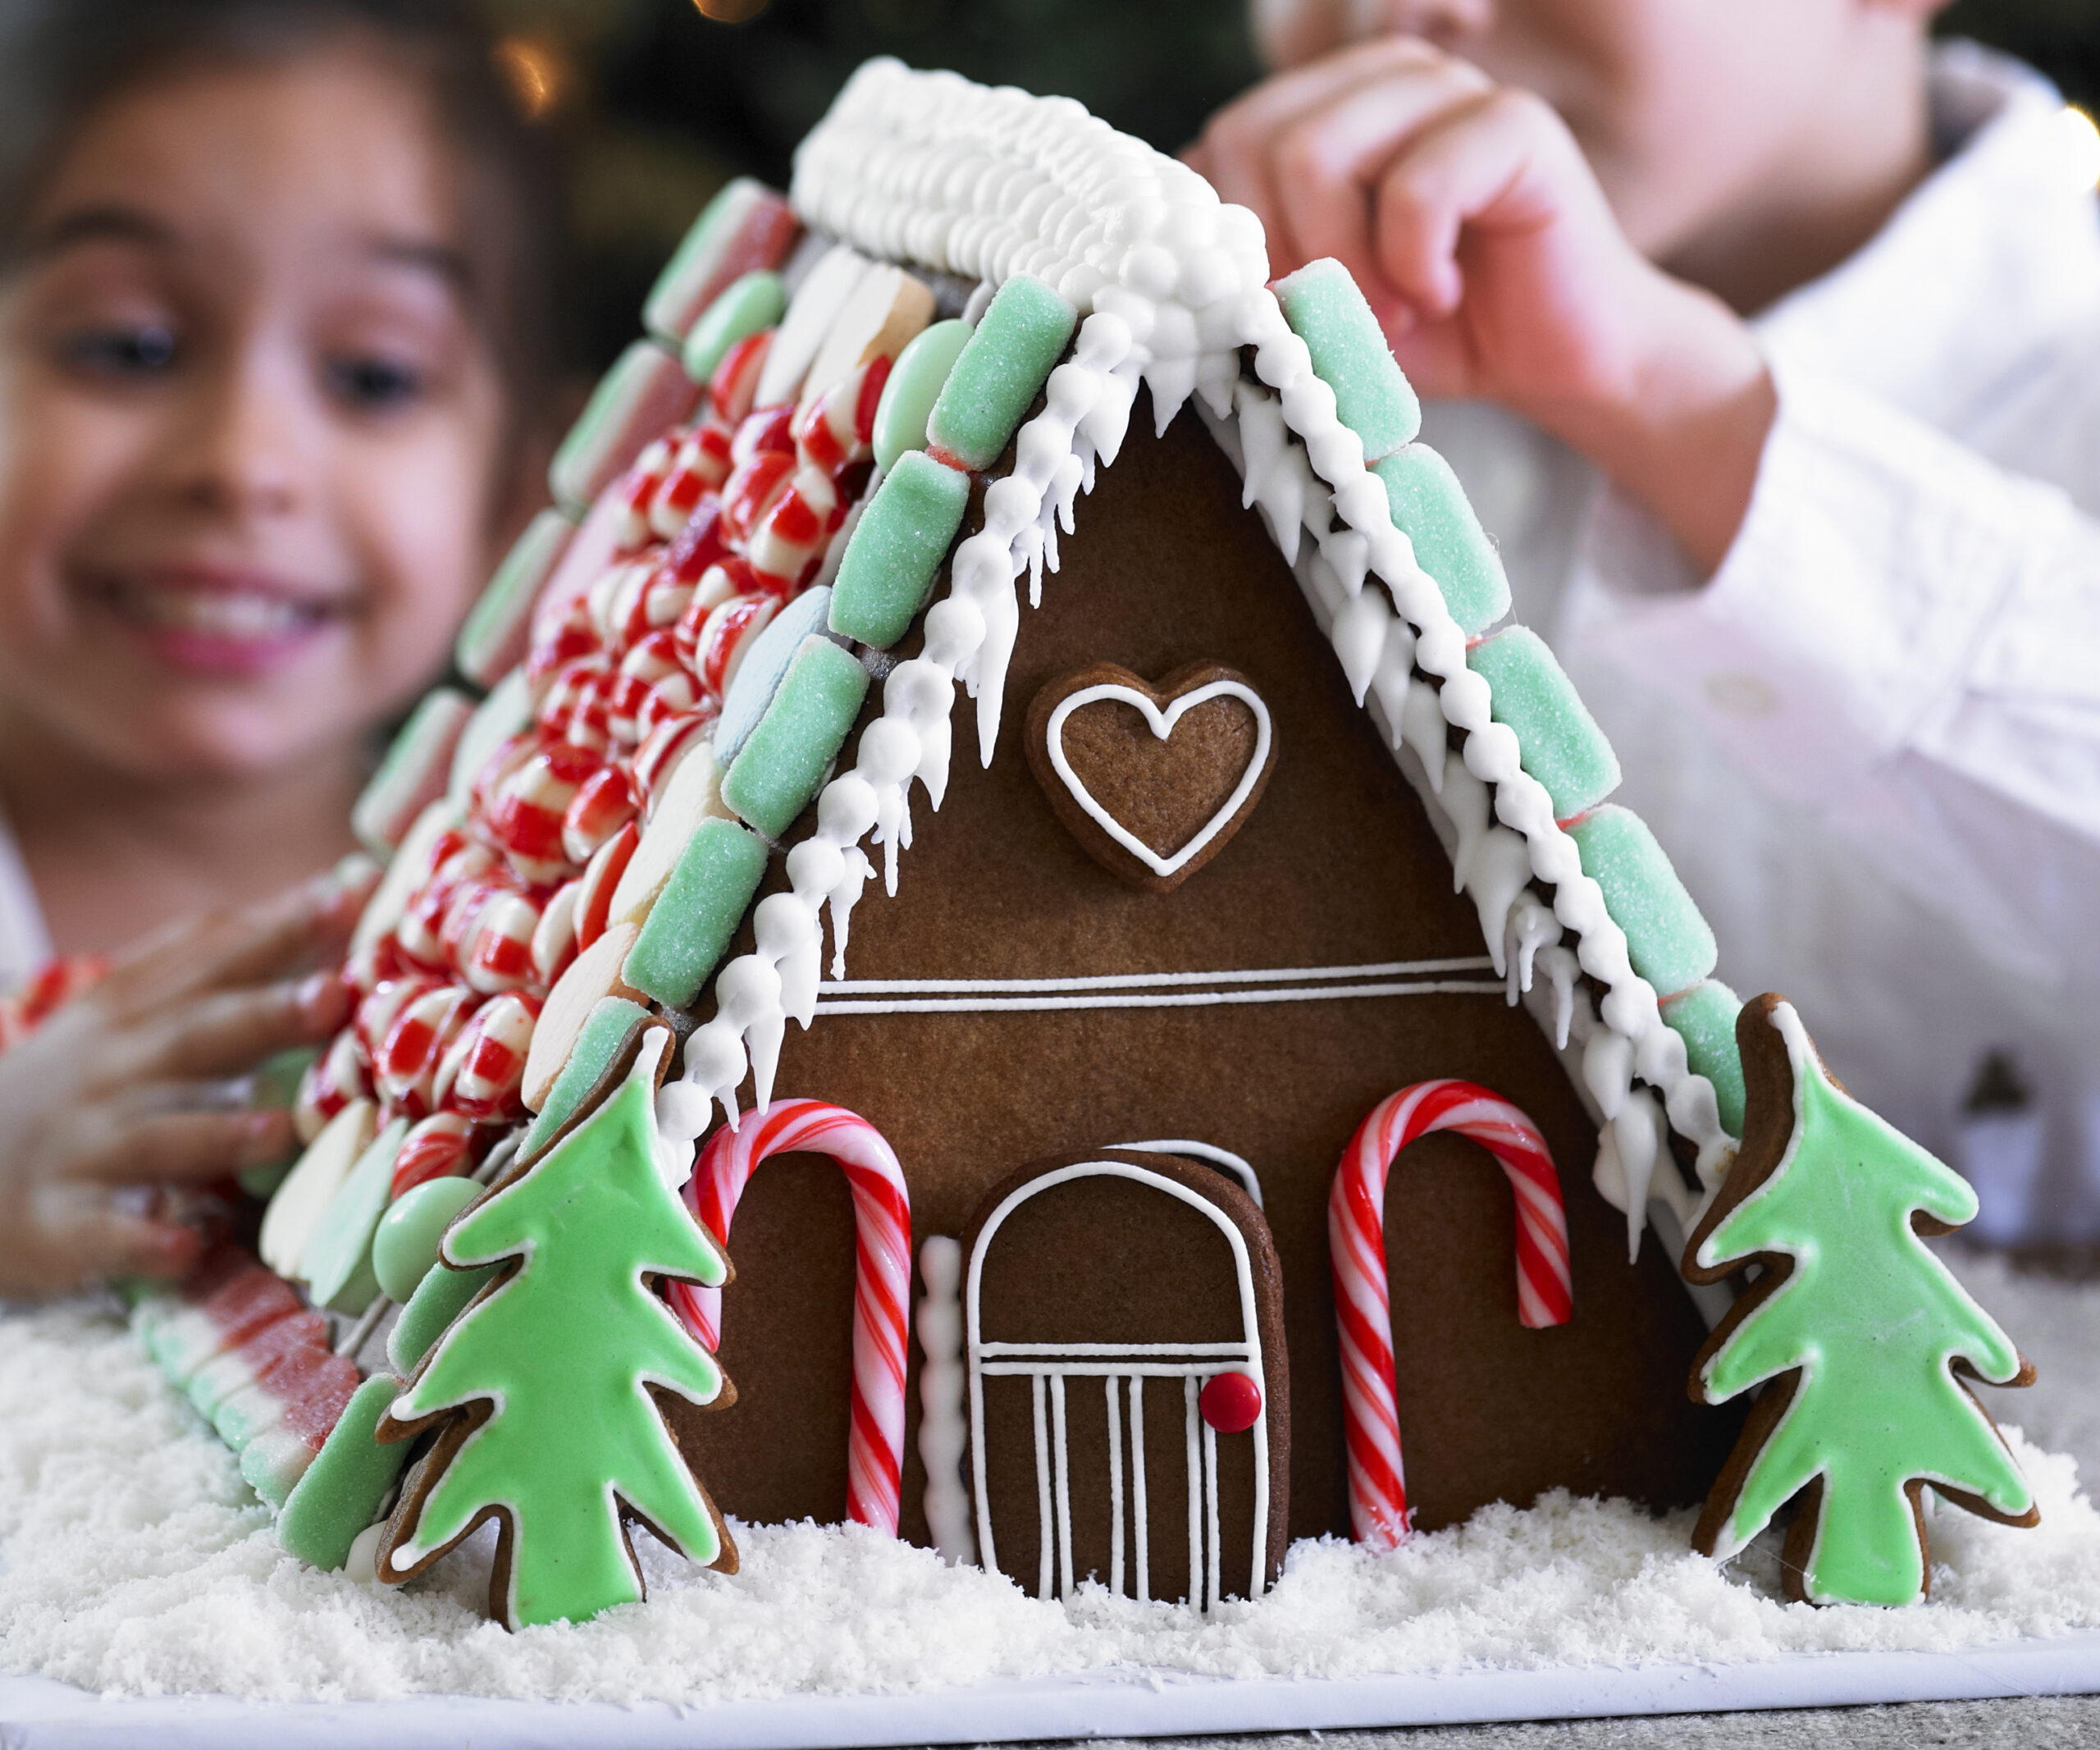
[(1128, 1384)]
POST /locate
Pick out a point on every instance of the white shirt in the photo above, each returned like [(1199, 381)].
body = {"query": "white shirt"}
[(1871, 743)]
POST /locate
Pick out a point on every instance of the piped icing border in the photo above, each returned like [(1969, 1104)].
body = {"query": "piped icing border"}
[(1171, 283)]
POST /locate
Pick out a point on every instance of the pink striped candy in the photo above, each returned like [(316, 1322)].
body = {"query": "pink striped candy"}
[(838, 427), (594, 894), (406, 1065), (601, 807), (491, 1052), (526, 810), (734, 385), (722, 640), (374, 1016), (553, 943), (749, 492), (339, 1075), (1356, 1243), (882, 1274), (667, 744), (790, 539), (500, 957), (439, 1147)]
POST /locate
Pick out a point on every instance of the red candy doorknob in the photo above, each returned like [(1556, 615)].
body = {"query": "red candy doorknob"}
[(1230, 1403)]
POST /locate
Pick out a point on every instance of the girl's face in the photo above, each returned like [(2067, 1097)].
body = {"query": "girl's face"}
[(249, 426), (1683, 107)]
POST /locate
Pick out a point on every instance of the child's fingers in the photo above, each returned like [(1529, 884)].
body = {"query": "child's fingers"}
[(1327, 163), (241, 947), (1236, 146), (139, 1141), (1503, 161), (228, 1031), (85, 1231)]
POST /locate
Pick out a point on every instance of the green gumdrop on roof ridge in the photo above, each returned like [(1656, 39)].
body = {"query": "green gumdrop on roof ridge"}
[(1704, 1018), (784, 759), (1563, 747), (694, 918), (603, 1035), (895, 550), (1430, 507), (1002, 367), (1327, 310), (1670, 942)]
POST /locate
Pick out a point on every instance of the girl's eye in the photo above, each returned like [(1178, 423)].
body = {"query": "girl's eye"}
[(374, 384), (148, 349)]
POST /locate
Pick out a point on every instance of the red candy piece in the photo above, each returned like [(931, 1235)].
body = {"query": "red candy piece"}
[(734, 385), (698, 545), (594, 897), (406, 1064), (715, 655), (667, 744), (441, 1147), (1231, 1403), (501, 956), (490, 1058), (601, 807), (526, 812), (748, 493)]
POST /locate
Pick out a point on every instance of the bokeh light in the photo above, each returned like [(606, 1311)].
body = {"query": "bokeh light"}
[(2083, 136), (536, 74), (731, 12)]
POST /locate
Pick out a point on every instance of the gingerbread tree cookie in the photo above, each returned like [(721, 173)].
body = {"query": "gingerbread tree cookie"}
[(542, 1387), (1856, 1330)]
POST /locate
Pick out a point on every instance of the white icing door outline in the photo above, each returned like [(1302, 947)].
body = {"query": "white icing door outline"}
[(1211, 1155), (1049, 1366), (1161, 724)]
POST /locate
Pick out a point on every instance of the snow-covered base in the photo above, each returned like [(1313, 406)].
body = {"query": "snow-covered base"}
[(137, 1563)]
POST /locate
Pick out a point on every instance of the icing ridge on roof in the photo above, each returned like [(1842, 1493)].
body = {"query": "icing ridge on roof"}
[(930, 168)]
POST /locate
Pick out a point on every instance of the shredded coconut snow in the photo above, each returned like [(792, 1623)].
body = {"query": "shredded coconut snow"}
[(137, 1562)]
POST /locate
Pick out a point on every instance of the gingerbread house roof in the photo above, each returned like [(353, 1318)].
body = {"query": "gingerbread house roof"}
[(1071, 229)]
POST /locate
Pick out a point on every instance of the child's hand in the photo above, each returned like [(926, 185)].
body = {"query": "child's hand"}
[(1476, 228), (126, 1086)]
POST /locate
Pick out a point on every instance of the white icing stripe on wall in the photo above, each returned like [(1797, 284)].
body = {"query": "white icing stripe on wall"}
[(978, 1003), (913, 987)]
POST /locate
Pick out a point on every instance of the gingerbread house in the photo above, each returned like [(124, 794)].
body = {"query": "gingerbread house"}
[(1255, 1087)]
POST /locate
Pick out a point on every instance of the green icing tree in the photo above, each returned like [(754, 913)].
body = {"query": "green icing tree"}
[(540, 1386), (1858, 1327)]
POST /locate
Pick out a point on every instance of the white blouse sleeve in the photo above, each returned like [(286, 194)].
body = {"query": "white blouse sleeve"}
[(1904, 639)]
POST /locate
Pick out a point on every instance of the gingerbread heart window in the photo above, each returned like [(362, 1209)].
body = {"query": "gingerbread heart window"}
[(1152, 778)]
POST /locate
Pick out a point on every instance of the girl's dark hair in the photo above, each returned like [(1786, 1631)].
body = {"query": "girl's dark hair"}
[(61, 60)]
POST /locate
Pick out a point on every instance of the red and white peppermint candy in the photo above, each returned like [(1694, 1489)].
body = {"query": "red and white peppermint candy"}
[(698, 545), (1356, 1244), (500, 956), (374, 1018), (723, 638), (639, 488), (686, 482), (339, 1075), (487, 1062), (882, 1279), (404, 1068), (526, 810), (438, 1147), (594, 895), (734, 385), (667, 744), (837, 429), (673, 697), (574, 635), (601, 807), (790, 538), (749, 492), (553, 943)]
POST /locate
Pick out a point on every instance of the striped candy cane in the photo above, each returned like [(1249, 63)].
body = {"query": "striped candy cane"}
[(882, 1285), (1356, 1241)]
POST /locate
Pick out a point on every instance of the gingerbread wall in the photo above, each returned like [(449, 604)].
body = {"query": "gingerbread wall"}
[(1336, 866)]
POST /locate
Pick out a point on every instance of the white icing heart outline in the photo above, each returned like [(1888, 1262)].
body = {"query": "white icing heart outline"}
[(1162, 726)]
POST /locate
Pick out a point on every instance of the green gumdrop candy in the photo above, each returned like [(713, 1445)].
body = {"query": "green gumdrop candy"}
[(756, 301), (1431, 509), (413, 772), (1670, 944), (1327, 310), (1563, 747), (494, 638), (785, 759), (405, 1244), (337, 1262), (1704, 1018), (1017, 343), (437, 1302), (915, 381), (896, 548), (690, 927), (341, 1491), (606, 1032)]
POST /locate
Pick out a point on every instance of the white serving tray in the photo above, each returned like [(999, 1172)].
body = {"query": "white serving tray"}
[(37, 1714)]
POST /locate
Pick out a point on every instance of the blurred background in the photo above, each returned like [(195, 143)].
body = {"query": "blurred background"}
[(654, 103)]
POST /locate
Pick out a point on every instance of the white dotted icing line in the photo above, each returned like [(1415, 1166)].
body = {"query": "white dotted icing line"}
[(993, 183)]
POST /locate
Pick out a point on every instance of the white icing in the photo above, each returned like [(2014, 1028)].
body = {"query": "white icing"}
[(1161, 724), (1051, 1365), (1171, 283), (942, 1432), (931, 996), (1210, 1154)]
